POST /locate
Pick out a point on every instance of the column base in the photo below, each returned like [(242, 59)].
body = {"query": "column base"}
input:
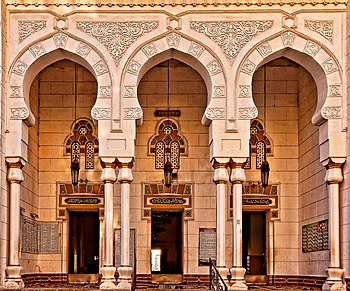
[(125, 278), (14, 279), (223, 271), (237, 279), (334, 280), (108, 279)]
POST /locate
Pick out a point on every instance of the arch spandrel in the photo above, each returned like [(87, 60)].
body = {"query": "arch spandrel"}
[(324, 68)]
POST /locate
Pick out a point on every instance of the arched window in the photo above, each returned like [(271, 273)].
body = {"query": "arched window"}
[(82, 141), (259, 144), (167, 142)]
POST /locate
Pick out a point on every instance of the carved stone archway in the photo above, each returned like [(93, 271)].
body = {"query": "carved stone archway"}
[(31, 61)]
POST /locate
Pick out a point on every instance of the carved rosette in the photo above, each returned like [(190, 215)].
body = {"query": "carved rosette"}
[(100, 68), (264, 49), (28, 27), (288, 39), (20, 68), (105, 92), (215, 113), (247, 113), (244, 91), (19, 113), (83, 49), (334, 90), (322, 27), (219, 91), (101, 113), (117, 37), (16, 91), (332, 112), (329, 66), (132, 113), (232, 36), (195, 49), (248, 67), (37, 50), (60, 40), (311, 48), (173, 40), (130, 91)]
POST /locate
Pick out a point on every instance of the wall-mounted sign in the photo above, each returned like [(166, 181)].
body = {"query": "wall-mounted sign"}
[(207, 246), (167, 200), (82, 200)]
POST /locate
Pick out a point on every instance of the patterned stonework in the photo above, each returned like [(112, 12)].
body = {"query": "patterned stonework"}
[(130, 91), (60, 40), (173, 40), (150, 49), (132, 113), (101, 113), (244, 91), (20, 68), (100, 68), (214, 67), (19, 113), (322, 27), (219, 91), (16, 91), (37, 50), (27, 27), (332, 112), (334, 90), (288, 39), (215, 113), (105, 91), (247, 113), (117, 36), (330, 66), (311, 48), (231, 37), (264, 49), (248, 67), (83, 49), (195, 49)]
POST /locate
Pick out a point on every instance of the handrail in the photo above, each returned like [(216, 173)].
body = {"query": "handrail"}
[(216, 281)]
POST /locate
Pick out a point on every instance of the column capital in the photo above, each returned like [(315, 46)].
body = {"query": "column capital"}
[(125, 173), (108, 171), (334, 174), (237, 173), (15, 173)]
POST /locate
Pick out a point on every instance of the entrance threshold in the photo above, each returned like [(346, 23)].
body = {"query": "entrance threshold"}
[(167, 278), (83, 278), (256, 279)]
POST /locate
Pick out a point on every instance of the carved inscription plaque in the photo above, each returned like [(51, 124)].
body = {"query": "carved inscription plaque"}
[(38, 237), (207, 246), (315, 236), (117, 248)]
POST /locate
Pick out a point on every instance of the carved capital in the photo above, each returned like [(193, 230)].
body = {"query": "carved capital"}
[(15, 173), (237, 173), (334, 174), (125, 173), (220, 173), (108, 172)]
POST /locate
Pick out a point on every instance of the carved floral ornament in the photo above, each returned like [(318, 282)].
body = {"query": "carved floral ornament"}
[(322, 27), (117, 37), (28, 27), (231, 36), (332, 112)]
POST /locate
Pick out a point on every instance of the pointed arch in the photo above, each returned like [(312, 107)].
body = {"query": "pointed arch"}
[(191, 52), (36, 57), (312, 55)]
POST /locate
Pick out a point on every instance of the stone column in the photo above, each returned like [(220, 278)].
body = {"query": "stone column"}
[(220, 179), (237, 271), (335, 280), (125, 271), (108, 269), (14, 177)]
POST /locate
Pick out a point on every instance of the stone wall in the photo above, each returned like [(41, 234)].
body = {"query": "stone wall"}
[(282, 129), (313, 201)]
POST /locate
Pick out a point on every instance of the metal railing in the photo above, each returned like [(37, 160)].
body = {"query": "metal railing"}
[(216, 281)]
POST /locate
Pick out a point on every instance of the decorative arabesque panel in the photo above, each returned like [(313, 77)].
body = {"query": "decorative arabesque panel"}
[(82, 141), (167, 141), (260, 145)]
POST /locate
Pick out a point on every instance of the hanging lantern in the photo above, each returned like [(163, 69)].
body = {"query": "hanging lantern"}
[(75, 167), (168, 173), (265, 171)]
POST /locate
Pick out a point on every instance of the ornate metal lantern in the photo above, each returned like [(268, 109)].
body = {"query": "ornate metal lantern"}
[(265, 171), (75, 167)]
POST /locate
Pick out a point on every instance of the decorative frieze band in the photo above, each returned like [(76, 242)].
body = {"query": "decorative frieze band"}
[(132, 113), (27, 27), (322, 27), (117, 36), (101, 113), (332, 112), (239, 32), (215, 113), (19, 113), (247, 113)]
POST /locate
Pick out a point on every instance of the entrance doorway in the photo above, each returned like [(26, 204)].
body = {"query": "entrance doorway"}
[(84, 237), (166, 246), (254, 246)]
